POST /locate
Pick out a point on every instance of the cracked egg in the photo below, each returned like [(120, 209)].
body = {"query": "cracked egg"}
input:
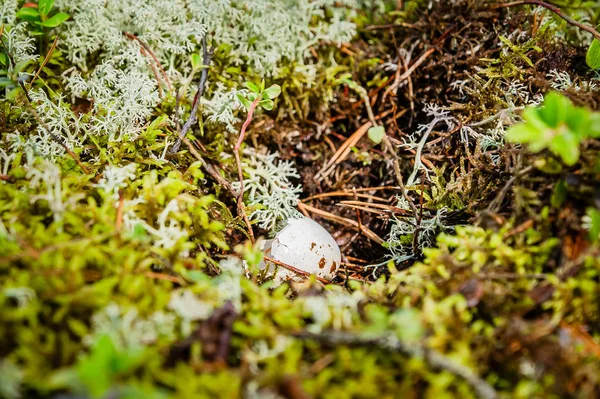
[(305, 245)]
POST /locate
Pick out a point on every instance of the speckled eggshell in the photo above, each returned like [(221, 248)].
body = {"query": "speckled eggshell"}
[(306, 245)]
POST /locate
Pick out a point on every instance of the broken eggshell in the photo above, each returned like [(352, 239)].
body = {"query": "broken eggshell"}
[(305, 245)]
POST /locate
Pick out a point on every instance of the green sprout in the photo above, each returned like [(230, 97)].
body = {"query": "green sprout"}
[(40, 17), (592, 57), (263, 97), (558, 126)]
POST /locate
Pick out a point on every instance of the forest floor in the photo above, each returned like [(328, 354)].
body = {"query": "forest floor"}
[(451, 148)]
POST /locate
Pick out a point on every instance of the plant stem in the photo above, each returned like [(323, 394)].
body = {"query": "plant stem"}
[(555, 10), (238, 161)]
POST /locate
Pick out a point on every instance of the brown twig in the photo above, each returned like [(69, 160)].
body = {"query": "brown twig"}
[(119, 218), (165, 277), (207, 55), (155, 72), (6, 178), (347, 193), (52, 48), (294, 269), (344, 194), (555, 10), (343, 151), (37, 116), (401, 78), (384, 207), (343, 221), (224, 183), (209, 168), (151, 53)]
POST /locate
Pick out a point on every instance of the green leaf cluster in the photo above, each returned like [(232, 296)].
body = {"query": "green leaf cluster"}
[(557, 125), (266, 96), (40, 17)]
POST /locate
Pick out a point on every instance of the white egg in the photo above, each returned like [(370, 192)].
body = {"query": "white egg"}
[(305, 245)]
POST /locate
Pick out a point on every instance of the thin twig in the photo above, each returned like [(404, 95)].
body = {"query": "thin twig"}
[(165, 277), (37, 116), (492, 118), (345, 194), (209, 168), (56, 138), (497, 201), (389, 343), (155, 72), (121, 205), (409, 71), (418, 160), (207, 55), (294, 269), (343, 221), (44, 62), (343, 151), (555, 10), (238, 161), (151, 53), (388, 208)]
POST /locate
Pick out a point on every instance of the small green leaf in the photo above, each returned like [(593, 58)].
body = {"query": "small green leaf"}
[(21, 65), (44, 6), (266, 104), (578, 120), (273, 91), (566, 146), (554, 110), (592, 58), (3, 59), (548, 165), (376, 134), (525, 133), (5, 82), (252, 87), (95, 370), (28, 14), (56, 20), (559, 195), (594, 127), (13, 93), (243, 100), (594, 224), (196, 61)]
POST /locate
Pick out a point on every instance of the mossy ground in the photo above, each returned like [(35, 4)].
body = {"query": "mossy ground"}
[(504, 288)]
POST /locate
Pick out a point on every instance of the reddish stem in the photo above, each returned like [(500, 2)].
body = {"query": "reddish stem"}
[(238, 161)]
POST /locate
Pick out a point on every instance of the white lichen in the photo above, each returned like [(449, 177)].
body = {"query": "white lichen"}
[(269, 189), (115, 178), (45, 177), (127, 329)]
